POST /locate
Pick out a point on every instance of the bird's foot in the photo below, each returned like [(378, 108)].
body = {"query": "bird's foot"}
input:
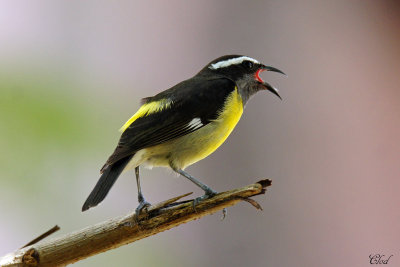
[(138, 211), (208, 194), (142, 204)]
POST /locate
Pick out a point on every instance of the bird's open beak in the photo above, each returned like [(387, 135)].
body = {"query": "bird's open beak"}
[(265, 84)]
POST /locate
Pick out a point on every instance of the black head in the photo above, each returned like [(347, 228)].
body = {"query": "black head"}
[(242, 70)]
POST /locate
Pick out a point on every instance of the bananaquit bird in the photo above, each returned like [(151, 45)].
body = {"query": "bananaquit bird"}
[(184, 124)]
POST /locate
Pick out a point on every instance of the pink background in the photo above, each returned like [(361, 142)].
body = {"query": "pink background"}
[(331, 146)]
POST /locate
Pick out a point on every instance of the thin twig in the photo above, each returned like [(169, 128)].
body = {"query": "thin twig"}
[(43, 236)]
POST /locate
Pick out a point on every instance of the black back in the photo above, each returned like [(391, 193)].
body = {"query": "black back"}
[(198, 97)]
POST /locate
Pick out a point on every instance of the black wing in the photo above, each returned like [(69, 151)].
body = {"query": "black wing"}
[(194, 98)]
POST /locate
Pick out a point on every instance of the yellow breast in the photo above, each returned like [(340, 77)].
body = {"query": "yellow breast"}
[(222, 127), (188, 149)]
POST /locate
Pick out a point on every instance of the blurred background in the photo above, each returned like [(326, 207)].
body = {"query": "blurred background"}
[(72, 73)]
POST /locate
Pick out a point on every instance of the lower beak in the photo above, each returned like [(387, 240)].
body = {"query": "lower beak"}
[(272, 89), (267, 85)]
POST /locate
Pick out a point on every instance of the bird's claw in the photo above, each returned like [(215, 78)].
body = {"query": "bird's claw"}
[(209, 194), (143, 204)]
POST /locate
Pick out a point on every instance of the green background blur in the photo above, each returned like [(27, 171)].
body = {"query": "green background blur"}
[(72, 73)]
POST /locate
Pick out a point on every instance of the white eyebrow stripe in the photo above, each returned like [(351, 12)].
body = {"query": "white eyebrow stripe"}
[(232, 61)]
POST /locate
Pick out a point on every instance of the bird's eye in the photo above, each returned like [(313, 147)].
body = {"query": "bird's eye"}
[(248, 64)]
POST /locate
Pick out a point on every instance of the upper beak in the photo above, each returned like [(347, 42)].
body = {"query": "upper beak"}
[(269, 68), (267, 85)]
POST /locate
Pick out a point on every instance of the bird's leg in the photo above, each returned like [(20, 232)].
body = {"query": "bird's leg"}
[(207, 190), (142, 202)]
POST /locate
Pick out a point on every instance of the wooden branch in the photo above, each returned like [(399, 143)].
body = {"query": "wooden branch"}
[(119, 231)]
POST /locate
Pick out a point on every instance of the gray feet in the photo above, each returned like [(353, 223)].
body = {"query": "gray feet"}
[(142, 204), (209, 193), (207, 190)]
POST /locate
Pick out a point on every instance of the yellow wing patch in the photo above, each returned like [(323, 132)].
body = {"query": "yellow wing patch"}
[(147, 109)]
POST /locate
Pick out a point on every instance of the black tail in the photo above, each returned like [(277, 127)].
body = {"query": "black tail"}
[(106, 181)]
